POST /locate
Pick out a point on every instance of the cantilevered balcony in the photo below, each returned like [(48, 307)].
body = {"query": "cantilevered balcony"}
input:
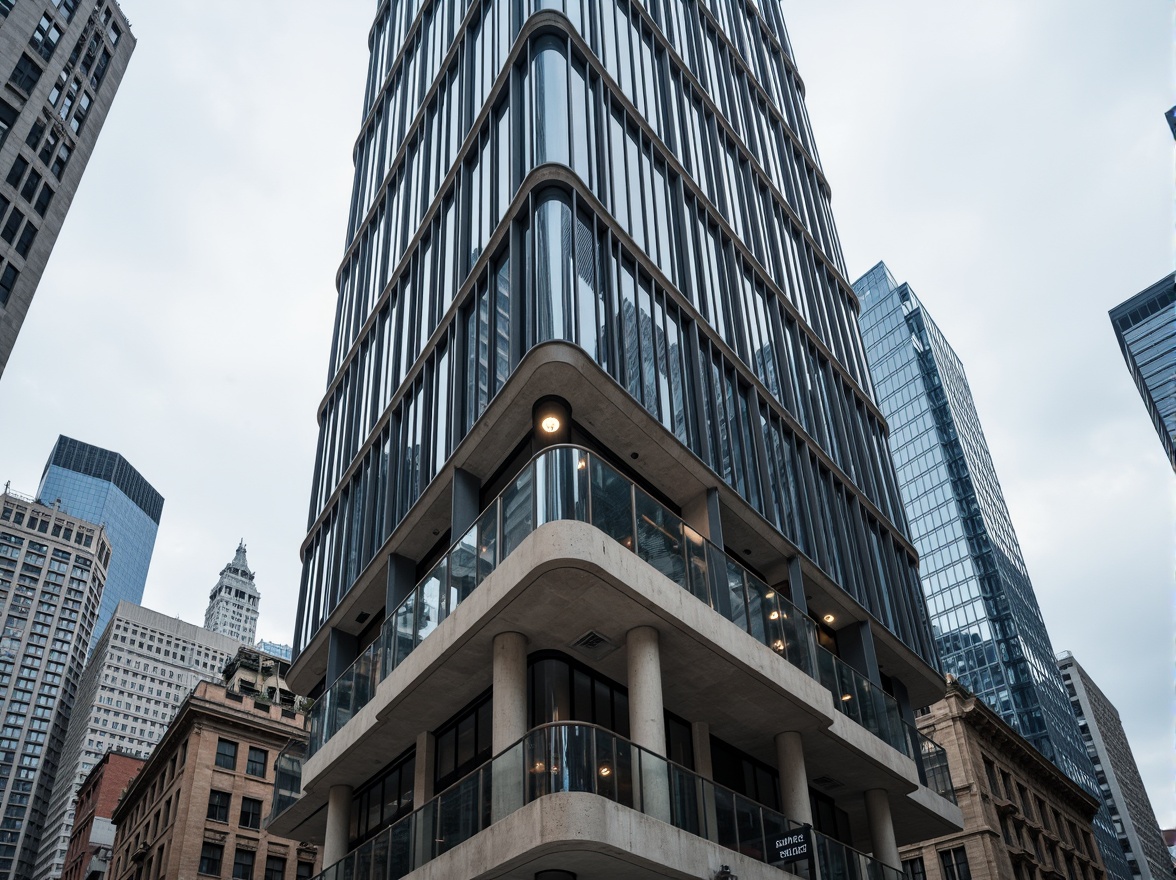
[(569, 483), (582, 762)]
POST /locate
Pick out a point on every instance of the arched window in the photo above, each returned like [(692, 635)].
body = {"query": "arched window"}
[(553, 268), (550, 64)]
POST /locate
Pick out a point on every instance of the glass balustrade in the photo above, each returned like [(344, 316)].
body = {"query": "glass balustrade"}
[(570, 757), (569, 483), (287, 776)]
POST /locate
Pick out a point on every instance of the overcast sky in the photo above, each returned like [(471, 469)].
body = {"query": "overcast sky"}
[(1009, 159)]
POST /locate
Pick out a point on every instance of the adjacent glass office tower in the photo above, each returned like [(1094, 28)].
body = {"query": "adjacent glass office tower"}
[(101, 486), (987, 623), (1145, 326), (597, 387)]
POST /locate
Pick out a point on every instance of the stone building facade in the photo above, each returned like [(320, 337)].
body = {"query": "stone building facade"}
[(234, 602), (92, 840), (1023, 818), (144, 664), (197, 807)]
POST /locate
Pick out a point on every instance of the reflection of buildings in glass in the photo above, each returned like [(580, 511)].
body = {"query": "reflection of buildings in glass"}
[(101, 486), (599, 480), (1145, 326), (987, 623)]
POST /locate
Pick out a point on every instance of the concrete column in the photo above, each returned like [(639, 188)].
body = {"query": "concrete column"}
[(510, 689), (338, 830), (855, 643), (647, 723), (700, 740), (342, 649), (464, 510), (401, 581), (882, 828), (704, 766), (509, 722), (701, 513), (796, 585), (794, 793), (422, 781)]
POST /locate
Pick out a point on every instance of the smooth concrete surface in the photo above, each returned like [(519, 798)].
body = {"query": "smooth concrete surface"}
[(647, 726), (794, 789), (336, 840), (423, 769), (882, 842), (510, 689), (592, 838), (567, 577)]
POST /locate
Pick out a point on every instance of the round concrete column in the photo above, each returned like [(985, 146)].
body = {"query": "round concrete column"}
[(794, 793), (338, 824), (646, 713), (510, 689), (882, 828)]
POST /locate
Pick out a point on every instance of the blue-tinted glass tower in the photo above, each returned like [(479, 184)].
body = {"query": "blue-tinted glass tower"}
[(102, 487), (988, 626), (1145, 326)]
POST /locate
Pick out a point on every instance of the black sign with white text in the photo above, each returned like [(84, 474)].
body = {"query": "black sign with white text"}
[(794, 846)]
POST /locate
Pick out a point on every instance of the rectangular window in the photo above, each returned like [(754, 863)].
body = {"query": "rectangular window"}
[(226, 754), (26, 239), (25, 75), (243, 864), (45, 37), (29, 190), (211, 855), (250, 813), (16, 173), (7, 282), (256, 763), (275, 868), (8, 115), (15, 219), (218, 805), (43, 198), (955, 864), (305, 871), (60, 161), (914, 868)]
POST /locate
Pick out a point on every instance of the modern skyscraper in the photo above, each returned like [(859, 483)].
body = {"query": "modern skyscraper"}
[(64, 61), (1145, 326), (987, 623), (1118, 776), (600, 481), (98, 485), (233, 602), (145, 663), (52, 570)]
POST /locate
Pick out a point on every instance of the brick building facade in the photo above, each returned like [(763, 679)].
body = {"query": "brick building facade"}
[(92, 839), (196, 810), (1023, 818)]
